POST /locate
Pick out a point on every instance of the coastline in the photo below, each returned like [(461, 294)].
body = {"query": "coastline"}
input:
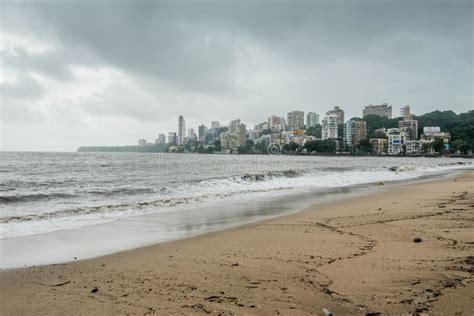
[(350, 256)]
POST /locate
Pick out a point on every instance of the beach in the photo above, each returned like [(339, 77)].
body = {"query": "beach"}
[(354, 256)]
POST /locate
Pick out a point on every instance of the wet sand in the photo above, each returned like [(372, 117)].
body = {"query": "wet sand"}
[(356, 256)]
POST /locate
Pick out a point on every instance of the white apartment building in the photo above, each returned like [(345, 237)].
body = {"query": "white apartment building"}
[(413, 147), (396, 141), (329, 127)]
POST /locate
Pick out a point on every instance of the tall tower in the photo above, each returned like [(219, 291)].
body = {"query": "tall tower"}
[(181, 130)]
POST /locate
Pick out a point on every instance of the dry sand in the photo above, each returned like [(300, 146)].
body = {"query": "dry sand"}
[(355, 256)]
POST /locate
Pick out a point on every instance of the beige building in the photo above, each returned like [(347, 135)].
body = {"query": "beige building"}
[(410, 126), (383, 110), (413, 147), (295, 120), (379, 145), (329, 127), (354, 132)]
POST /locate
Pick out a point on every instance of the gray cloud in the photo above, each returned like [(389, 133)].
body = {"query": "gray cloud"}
[(247, 59), (52, 65), (24, 87)]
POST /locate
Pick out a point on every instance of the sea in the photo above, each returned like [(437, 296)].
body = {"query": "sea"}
[(58, 206)]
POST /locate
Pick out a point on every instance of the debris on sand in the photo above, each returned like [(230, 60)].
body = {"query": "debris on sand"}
[(326, 312)]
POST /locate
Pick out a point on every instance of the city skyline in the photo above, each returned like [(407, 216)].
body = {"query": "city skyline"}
[(337, 112), (65, 82)]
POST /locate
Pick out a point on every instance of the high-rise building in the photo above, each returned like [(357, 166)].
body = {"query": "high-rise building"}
[(202, 129), (214, 127), (242, 134), (234, 126), (181, 130), (191, 134), (354, 132), (261, 126), (405, 112), (408, 123), (382, 110), (410, 126), (276, 122), (311, 119), (329, 127), (161, 139), (338, 112), (142, 142), (295, 120), (229, 141), (396, 141), (172, 138), (360, 132)]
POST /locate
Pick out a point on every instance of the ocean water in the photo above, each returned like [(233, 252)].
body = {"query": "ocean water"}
[(47, 192)]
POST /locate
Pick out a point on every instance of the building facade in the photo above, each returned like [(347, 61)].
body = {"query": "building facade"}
[(396, 141), (192, 134), (202, 129), (242, 134), (276, 123), (234, 126), (142, 142), (215, 127), (337, 112), (379, 145), (172, 138), (413, 147), (161, 139), (295, 120), (354, 132), (329, 127), (410, 126), (312, 119), (181, 130), (383, 110)]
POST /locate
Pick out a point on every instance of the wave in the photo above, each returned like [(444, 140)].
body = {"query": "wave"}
[(252, 177), (9, 199), (415, 167), (164, 202), (220, 188), (123, 191)]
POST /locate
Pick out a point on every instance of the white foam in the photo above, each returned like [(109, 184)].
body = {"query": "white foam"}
[(206, 191)]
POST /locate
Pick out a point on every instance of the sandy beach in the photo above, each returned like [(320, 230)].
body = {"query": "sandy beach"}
[(355, 256)]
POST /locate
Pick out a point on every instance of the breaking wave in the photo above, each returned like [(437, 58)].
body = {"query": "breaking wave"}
[(9, 199)]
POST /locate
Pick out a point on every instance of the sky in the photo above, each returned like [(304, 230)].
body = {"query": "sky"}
[(76, 73)]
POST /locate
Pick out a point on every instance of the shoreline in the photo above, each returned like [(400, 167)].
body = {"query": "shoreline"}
[(351, 256), (146, 229)]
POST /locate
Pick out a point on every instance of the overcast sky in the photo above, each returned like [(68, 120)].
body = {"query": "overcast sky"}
[(78, 73)]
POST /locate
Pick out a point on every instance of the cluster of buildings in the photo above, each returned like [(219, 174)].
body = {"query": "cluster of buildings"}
[(299, 128)]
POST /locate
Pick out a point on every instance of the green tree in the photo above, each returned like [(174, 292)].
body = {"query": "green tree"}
[(365, 146), (218, 145), (314, 131), (465, 148), (261, 148), (326, 146)]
